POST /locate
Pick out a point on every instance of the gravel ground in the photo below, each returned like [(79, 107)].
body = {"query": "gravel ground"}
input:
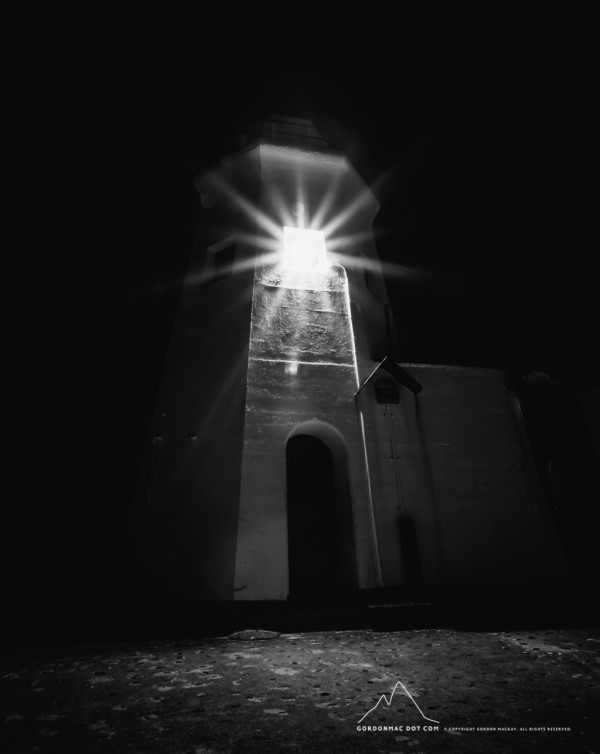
[(430, 690)]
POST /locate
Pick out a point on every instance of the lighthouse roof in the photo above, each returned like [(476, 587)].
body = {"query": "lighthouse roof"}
[(290, 132)]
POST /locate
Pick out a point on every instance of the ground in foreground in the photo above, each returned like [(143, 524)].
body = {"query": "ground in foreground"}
[(431, 690)]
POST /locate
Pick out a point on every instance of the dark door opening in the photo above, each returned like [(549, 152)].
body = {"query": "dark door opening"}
[(318, 572)]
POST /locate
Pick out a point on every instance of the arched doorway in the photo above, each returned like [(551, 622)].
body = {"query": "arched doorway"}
[(322, 560)]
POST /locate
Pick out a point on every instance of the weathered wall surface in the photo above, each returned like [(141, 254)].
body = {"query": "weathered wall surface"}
[(456, 461), (303, 363), (301, 367)]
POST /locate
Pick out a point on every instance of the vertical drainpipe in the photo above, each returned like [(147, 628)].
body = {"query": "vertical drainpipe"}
[(374, 540), (378, 572), (388, 413)]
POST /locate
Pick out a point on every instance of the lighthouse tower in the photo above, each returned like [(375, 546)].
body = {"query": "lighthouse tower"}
[(255, 484), (290, 455)]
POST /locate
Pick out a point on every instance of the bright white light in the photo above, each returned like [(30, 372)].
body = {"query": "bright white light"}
[(304, 249)]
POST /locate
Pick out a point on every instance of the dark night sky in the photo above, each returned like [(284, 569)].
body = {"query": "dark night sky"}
[(483, 124)]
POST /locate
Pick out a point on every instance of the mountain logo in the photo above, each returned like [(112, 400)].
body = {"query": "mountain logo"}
[(383, 699)]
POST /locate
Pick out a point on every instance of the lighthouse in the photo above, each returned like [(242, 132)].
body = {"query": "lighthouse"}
[(292, 455)]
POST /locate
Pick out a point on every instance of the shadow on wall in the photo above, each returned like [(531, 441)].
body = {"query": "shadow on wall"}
[(562, 448)]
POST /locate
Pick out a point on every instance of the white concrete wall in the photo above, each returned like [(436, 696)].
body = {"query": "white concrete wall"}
[(466, 478)]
